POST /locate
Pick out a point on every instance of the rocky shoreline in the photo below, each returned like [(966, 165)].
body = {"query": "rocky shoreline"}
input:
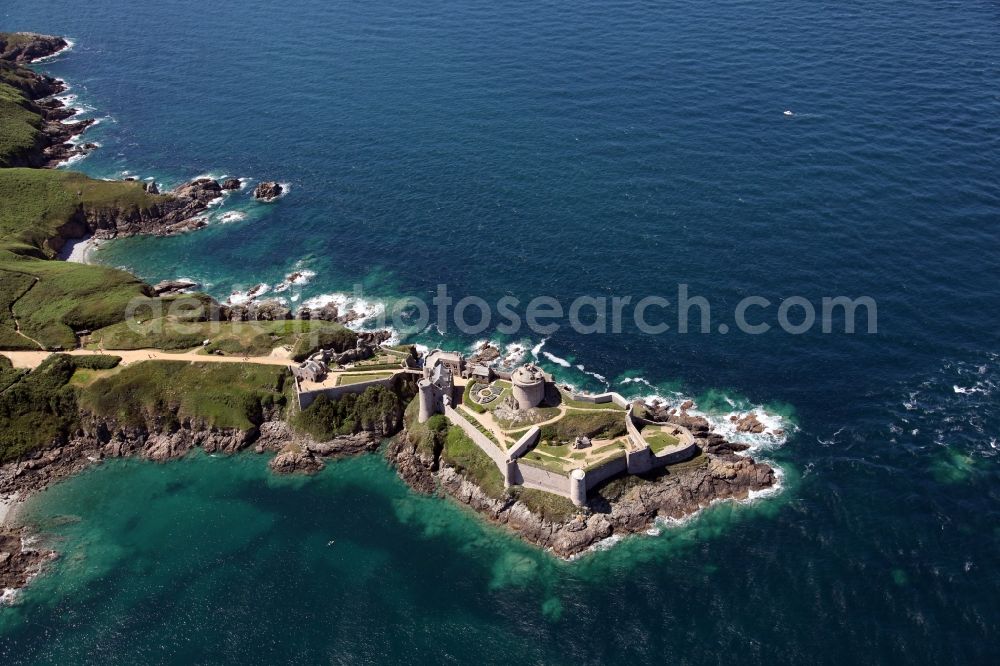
[(54, 144), (629, 507)]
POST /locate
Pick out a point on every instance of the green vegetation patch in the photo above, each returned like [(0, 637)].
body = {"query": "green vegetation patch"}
[(429, 436), (658, 441), (323, 335), (469, 402), (537, 459), (71, 297), (348, 379), (185, 322), (551, 507), (36, 408), (594, 424), (38, 202), (12, 287), (462, 453), (8, 373), (61, 297), (378, 409), (222, 395), (97, 362)]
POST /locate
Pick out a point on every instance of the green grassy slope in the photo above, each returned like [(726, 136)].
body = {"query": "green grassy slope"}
[(220, 395), (65, 297), (19, 125)]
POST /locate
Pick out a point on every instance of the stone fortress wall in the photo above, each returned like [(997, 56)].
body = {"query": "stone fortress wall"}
[(306, 398)]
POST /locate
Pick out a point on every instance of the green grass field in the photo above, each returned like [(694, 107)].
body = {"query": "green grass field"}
[(39, 408), (551, 507), (596, 424), (345, 380), (37, 202), (658, 441), (177, 331)]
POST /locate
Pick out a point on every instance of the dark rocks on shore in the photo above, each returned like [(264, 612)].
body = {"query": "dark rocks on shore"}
[(19, 562), (230, 184), (172, 287), (200, 189), (270, 310), (328, 312), (267, 191), (346, 445), (52, 143), (296, 461), (374, 338), (487, 353), (747, 423)]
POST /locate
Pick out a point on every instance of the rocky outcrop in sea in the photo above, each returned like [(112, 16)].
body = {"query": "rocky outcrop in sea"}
[(268, 191)]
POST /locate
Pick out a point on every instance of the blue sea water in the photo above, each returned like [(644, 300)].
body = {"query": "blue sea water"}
[(567, 149)]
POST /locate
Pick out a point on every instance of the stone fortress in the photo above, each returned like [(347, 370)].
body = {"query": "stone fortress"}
[(506, 412), (444, 388)]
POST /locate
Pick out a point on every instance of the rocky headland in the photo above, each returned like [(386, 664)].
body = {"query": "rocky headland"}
[(628, 505), (53, 142)]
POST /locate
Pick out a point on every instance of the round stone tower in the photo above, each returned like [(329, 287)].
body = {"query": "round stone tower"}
[(528, 383), (578, 487), (428, 400)]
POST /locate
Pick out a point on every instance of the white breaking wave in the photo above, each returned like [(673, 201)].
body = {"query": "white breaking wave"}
[(599, 377), (232, 216), (557, 360), (513, 354), (294, 278), (241, 297), (69, 47), (72, 159), (364, 310)]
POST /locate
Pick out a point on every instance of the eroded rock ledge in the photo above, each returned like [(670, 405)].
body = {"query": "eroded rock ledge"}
[(20, 561)]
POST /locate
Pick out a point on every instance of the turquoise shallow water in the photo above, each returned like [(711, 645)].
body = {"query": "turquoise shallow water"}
[(546, 148), (348, 566)]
